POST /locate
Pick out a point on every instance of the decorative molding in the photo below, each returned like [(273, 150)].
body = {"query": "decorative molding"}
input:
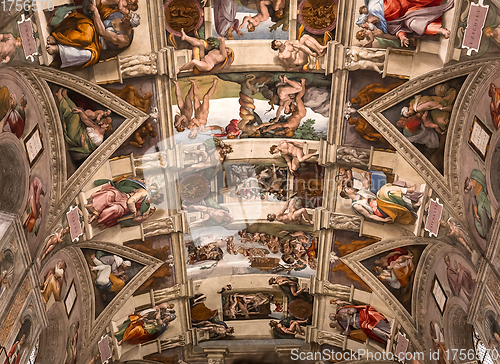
[(422, 282), (340, 82), (494, 241)]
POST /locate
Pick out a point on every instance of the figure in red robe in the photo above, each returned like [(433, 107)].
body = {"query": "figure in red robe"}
[(366, 318), (15, 352)]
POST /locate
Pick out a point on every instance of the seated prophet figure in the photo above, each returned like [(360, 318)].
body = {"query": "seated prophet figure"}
[(364, 317), (79, 40), (391, 204), (481, 207), (410, 18), (116, 199), (459, 278), (146, 326)]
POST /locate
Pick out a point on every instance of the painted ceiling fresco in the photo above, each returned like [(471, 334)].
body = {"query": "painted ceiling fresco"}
[(249, 181)]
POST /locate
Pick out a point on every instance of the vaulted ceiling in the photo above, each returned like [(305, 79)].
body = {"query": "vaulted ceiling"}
[(287, 193)]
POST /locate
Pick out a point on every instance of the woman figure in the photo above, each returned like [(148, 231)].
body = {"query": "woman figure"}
[(53, 282), (97, 115), (82, 135), (114, 200), (391, 204), (145, 326), (397, 272)]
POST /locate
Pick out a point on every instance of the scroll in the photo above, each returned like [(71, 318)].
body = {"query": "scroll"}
[(75, 227), (433, 217), (475, 23)]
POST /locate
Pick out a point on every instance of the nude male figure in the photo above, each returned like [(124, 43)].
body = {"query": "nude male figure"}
[(218, 215), (294, 54), (207, 61), (285, 90), (201, 109), (293, 216), (217, 330), (185, 106), (292, 153), (284, 281), (298, 111)]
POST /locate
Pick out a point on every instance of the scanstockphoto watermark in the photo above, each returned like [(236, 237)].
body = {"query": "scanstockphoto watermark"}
[(363, 354)]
